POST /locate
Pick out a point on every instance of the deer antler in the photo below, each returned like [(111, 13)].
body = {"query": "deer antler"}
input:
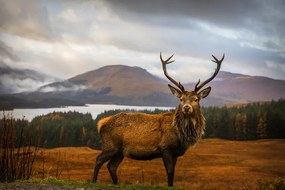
[(164, 63), (219, 62)]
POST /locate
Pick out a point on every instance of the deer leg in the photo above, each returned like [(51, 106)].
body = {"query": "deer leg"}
[(174, 162), (113, 166), (169, 164), (100, 160)]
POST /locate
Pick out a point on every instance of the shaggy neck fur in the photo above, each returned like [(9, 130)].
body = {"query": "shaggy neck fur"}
[(190, 126)]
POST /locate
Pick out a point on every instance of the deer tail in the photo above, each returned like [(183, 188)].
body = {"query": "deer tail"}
[(102, 122)]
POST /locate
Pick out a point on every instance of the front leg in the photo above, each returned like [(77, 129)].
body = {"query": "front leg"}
[(169, 164)]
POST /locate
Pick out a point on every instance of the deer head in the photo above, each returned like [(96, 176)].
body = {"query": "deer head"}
[(189, 100)]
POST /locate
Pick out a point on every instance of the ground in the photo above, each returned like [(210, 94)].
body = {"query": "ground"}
[(38, 186), (211, 164), (30, 186)]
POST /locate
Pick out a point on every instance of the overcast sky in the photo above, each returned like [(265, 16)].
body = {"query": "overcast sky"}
[(65, 38)]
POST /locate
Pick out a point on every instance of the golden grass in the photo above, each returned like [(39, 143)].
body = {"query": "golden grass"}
[(211, 164)]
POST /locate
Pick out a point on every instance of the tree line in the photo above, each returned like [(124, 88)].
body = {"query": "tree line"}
[(244, 122)]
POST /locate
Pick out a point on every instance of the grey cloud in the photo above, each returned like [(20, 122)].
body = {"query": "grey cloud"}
[(271, 45), (27, 19), (258, 16), (10, 84), (220, 11), (260, 25), (101, 32), (7, 52), (13, 80)]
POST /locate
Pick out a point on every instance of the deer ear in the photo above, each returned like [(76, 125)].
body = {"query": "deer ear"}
[(204, 93), (175, 91)]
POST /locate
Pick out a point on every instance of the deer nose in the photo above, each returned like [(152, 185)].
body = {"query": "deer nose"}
[(187, 108)]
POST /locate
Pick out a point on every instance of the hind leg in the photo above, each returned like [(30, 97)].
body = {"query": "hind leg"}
[(113, 166), (100, 160)]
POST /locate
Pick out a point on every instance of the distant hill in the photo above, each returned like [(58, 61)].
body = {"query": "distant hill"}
[(115, 84), (119, 84), (233, 88), (123, 80), (237, 88)]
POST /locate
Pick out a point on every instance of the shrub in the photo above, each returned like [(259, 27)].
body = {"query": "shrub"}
[(17, 154)]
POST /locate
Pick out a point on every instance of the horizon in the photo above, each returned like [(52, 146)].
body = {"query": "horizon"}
[(163, 76)]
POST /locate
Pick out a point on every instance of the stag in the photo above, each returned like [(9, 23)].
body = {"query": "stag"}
[(147, 136)]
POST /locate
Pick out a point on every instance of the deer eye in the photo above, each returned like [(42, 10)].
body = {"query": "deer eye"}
[(196, 100), (181, 99)]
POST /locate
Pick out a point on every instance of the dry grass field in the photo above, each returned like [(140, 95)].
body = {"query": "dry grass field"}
[(211, 164)]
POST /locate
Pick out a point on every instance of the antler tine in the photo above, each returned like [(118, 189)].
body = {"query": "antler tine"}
[(219, 63), (164, 63)]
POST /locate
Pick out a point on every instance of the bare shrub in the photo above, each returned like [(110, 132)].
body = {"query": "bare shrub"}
[(17, 150)]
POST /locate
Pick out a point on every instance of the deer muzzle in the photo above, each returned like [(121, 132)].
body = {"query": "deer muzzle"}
[(187, 109)]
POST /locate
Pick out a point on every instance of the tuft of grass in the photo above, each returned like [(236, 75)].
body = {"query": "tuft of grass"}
[(76, 184), (277, 184)]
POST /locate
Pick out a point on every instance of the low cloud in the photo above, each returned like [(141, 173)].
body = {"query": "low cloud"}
[(62, 88), (14, 80), (12, 85)]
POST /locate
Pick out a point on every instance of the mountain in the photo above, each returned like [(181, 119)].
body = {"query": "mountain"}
[(123, 80), (119, 84), (243, 88), (14, 80), (116, 84), (233, 88)]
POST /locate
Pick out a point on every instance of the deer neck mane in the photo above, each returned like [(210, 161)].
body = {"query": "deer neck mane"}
[(191, 127)]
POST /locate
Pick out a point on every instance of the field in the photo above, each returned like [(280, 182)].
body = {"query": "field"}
[(211, 164)]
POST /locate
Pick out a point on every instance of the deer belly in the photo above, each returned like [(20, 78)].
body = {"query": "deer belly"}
[(141, 147), (141, 153)]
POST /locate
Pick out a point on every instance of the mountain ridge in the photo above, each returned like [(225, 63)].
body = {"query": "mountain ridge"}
[(121, 84), (121, 78)]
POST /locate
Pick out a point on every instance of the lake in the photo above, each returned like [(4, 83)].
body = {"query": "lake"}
[(93, 109)]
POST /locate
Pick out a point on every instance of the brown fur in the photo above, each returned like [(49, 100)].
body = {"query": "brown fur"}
[(102, 122), (144, 136), (138, 135)]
